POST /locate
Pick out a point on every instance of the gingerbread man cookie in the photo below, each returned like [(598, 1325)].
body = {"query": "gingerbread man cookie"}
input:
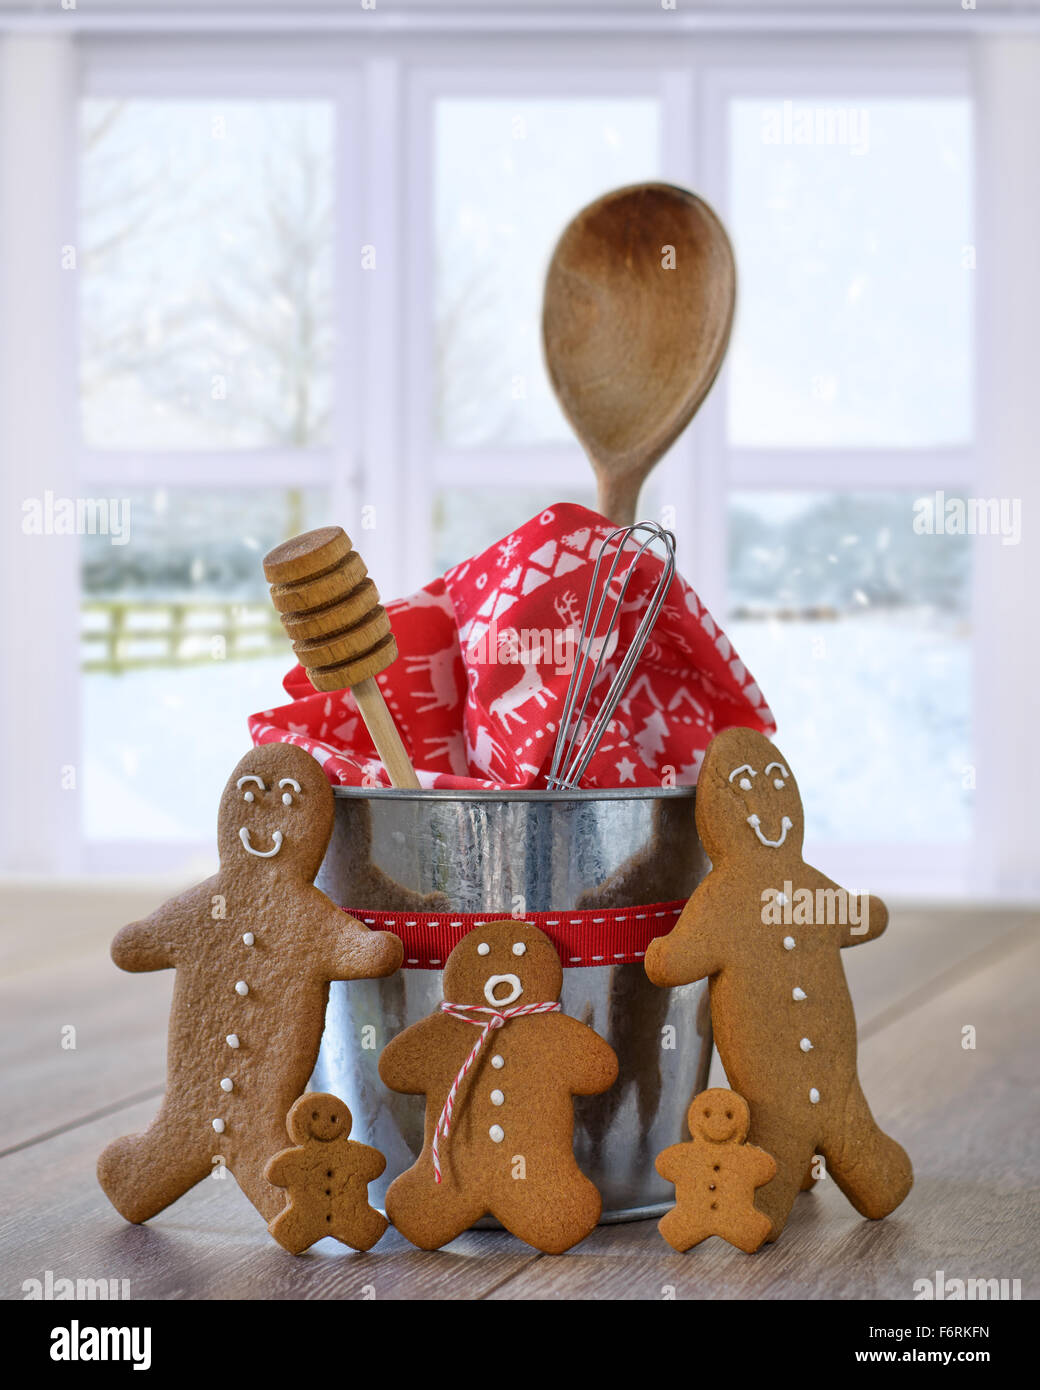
[(767, 930), (254, 948), (327, 1175), (498, 1064), (715, 1176)]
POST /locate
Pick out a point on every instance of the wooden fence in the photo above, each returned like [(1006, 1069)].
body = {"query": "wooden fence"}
[(130, 635)]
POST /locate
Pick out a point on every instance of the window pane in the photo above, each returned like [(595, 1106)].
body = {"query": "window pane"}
[(858, 630), (852, 232), (466, 520), (508, 176), (206, 271), (180, 644)]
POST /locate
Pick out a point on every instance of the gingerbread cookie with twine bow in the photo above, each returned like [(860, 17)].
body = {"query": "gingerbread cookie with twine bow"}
[(499, 1064), (768, 930)]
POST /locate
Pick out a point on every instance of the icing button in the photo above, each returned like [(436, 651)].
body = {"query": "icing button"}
[(788, 943), (232, 1040), (805, 1045), (498, 1062), (241, 987), (218, 1125), (814, 1095), (248, 939), (798, 992), (497, 1098), (497, 1133), (227, 1084)]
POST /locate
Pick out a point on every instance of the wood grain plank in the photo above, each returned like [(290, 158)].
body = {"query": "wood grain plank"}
[(968, 1119), (120, 1020), (957, 1112), (44, 923), (120, 1044), (211, 1244)]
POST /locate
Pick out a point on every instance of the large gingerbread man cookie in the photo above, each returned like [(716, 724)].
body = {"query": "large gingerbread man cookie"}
[(254, 948), (498, 1064), (767, 930)]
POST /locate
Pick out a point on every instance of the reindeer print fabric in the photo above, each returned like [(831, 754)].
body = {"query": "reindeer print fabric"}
[(486, 653)]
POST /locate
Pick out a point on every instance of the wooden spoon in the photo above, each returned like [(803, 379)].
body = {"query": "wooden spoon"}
[(633, 346)]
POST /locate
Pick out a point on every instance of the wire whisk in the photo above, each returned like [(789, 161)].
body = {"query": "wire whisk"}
[(569, 763)]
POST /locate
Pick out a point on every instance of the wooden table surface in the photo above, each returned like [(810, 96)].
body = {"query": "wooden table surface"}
[(967, 1116)]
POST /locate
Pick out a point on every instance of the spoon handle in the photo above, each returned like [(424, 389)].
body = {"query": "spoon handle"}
[(616, 498)]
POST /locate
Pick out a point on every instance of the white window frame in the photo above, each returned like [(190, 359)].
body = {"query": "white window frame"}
[(382, 86)]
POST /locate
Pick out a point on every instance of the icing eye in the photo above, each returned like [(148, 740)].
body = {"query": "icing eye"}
[(286, 798), (745, 784), (483, 949), (249, 797), (778, 783), (519, 948)]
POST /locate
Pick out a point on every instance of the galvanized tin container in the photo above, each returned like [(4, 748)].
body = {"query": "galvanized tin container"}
[(509, 853)]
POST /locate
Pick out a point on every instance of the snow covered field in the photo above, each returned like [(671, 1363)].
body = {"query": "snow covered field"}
[(873, 711)]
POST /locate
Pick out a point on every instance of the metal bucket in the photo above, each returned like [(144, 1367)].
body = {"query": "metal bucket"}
[(507, 853)]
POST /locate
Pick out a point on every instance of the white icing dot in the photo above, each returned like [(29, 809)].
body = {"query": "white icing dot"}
[(497, 1133), (778, 783), (745, 784), (241, 987), (232, 1040), (227, 1084), (483, 949), (805, 1045), (498, 1061), (497, 1097), (218, 1125), (286, 799), (788, 943), (249, 797), (518, 948), (814, 1095), (798, 992), (248, 939)]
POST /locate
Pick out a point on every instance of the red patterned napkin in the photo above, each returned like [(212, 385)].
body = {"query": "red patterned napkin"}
[(485, 658)]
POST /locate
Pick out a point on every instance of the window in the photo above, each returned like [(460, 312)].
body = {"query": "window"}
[(310, 284), (207, 344), (850, 396)]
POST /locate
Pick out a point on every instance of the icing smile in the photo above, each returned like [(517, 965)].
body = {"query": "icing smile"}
[(243, 835), (785, 826)]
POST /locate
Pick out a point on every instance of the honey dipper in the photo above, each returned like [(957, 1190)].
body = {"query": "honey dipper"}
[(340, 633)]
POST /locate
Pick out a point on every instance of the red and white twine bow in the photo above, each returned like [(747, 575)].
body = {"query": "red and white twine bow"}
[(496, 1018)]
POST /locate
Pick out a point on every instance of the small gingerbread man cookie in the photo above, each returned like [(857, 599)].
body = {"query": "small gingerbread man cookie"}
[(498, 1064), (715, 1176), (326, 1174)]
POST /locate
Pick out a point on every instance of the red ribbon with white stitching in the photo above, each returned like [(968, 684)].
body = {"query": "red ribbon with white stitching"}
[(599, 936), (496, 1018)]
